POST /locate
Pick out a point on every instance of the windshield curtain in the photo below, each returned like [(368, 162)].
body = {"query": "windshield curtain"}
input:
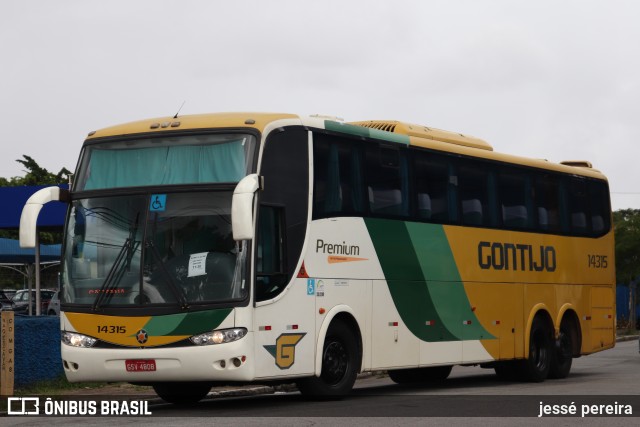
[(174, 160), (156, 249)]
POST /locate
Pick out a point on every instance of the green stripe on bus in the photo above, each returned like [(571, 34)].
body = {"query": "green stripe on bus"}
[(426, 290), (187, 323), (366, 132)]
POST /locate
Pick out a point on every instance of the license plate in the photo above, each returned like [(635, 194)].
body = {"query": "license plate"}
[(146, 365)]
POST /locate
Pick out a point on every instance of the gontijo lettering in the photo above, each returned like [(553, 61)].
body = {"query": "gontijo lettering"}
[(516, 256)]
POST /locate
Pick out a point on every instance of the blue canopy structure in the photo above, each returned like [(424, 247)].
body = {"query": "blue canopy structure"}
[(12, 253), (12, 199)]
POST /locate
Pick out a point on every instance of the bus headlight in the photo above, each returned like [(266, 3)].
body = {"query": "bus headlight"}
[(219, 337), (77, 340)]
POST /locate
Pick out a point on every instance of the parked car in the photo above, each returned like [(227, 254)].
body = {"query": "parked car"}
[(21, 301), (54, 305), (9, 293), (5, 302)]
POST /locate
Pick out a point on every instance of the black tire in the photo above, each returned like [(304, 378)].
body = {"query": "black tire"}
[(420, 375), (535, 367), (562, 356), (182, 393), (340, 364)]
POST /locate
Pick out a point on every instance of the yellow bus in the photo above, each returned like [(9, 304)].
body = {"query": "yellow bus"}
[(208, 249)]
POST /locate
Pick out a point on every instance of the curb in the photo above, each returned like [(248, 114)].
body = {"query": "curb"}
[(627, 338)]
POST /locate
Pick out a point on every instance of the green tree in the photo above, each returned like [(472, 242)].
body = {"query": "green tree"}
[(35, 175), (627, 231)]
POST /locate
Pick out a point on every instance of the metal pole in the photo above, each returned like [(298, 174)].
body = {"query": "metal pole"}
[(38, 308)]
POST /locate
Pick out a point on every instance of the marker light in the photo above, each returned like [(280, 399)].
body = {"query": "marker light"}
[(77, 340), (219, 337)]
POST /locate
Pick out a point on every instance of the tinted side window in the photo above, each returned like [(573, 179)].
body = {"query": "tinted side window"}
[(578, 205), (600, 207), (434, 191), (387, 181), (473, 190), (514, 188), (547, 202), (338, 176), (283, 210)]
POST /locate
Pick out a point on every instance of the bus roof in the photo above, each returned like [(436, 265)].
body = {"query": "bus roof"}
[(391, 130), (198, 121)]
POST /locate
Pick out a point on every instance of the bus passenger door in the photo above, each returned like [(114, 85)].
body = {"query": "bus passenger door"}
[(284, 321)]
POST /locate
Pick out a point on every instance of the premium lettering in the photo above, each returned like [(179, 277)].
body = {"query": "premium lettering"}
[(516, 256), (336, 248)]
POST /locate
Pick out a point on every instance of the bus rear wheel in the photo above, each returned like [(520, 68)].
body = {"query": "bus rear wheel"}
[(536, 367), (420, 375), (182, 393), (562, 354), (340, 364)]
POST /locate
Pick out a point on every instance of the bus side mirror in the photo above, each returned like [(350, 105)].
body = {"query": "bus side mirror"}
[(242, 207), (31, 210)]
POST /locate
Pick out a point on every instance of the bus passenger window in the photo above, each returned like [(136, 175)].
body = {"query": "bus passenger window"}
[(578, 206), (547, 202), (387, 181), (338, 182), (599, 200), (432, 183), (474, 198), (514, 188)]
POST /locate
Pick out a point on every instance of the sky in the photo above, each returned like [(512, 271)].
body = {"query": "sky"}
[(552, 79)]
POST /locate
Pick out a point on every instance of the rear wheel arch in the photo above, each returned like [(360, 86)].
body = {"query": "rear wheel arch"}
[(542, 311), (568, 319)]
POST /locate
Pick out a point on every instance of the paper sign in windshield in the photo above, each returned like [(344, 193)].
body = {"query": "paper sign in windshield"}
[(197, 264)]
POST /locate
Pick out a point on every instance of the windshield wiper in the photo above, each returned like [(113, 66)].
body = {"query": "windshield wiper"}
[(177, 292), (127, 251), (117, 270)]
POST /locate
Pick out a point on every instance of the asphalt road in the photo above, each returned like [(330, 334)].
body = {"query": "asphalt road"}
[(610, 378)]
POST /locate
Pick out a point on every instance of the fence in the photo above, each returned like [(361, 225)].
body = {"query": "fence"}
[(36, 355)]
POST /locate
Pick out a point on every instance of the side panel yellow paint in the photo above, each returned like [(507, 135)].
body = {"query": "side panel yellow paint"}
[(508, 280)]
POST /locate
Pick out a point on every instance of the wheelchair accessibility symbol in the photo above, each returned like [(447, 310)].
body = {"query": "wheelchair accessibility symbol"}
[(158, 202)]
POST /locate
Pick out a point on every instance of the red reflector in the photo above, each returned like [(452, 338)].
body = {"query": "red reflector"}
[(267, 328), (302, 274), (294, 326), (393, 323)]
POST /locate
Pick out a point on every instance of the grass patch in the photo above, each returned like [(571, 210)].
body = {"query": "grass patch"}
[(54, 387)]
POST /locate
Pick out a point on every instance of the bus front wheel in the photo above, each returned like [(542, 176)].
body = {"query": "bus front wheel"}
[(182, 393), (340, 364)]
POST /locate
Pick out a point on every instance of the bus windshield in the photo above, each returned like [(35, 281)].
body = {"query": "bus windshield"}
[(156, 249), (166, 160)]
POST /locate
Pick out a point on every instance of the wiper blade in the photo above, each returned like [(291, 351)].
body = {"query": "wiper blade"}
[(177, 292), (117, 271), (126, 251)]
